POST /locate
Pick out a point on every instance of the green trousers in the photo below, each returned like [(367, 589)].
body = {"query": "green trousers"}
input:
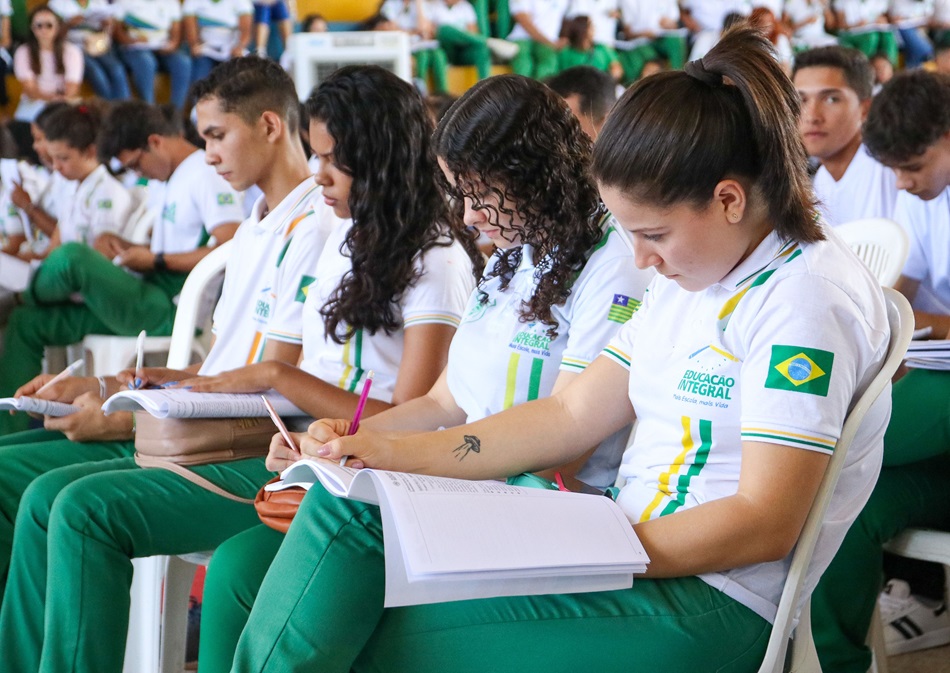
[(464, 48), (320, 608), (634, 60), (78, 527), (534, 60), (872, 44), (436, 63), (913, 490), (673, 48), (114, 302)]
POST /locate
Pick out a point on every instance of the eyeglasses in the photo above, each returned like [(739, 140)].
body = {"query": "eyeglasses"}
[(44, 25)]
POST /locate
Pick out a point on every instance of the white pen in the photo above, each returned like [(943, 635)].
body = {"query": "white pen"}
[(69, 371), (139, 358)]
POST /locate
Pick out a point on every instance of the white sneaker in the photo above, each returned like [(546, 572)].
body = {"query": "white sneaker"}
[(503, 49), (911, 622)]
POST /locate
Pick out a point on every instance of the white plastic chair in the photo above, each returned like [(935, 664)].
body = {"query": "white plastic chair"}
[(107, 354), (917, 543), (881, 244), (153, 574), (802, 656)]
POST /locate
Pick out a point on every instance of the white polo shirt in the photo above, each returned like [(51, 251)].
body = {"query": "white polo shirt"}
[(496, 361), (710, 14), (927, 224), (868, 188), (402, 14), (101, 204), (941, 13), (910, 13), (461, 15), (775, 352), (643, 15), (856, 11), (196, 201), (217, 20), (547, 16), (94, 13), (810, 33), (437, 297), (150, 19), (599, 12), (272, 261)]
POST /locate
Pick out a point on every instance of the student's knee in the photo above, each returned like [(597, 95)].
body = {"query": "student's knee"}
[(38, 498)]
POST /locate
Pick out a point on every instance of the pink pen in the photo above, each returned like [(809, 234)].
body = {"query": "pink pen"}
[(280, 424), (355, 424)]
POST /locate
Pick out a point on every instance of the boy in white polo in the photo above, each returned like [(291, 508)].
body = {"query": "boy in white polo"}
[(835, 86), (908, 129)]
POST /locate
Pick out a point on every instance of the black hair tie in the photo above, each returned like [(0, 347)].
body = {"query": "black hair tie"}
[(697, 70)]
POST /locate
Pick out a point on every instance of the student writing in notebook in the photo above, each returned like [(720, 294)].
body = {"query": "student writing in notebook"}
[(248, 117), (559, 286), (385, 293), (740, 387)]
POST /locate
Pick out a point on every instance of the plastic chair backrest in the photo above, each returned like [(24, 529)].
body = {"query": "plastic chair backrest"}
[(901, 320), (190, 303), (881, 244)]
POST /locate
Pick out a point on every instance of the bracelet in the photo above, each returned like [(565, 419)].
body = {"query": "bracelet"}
[(103, 390)]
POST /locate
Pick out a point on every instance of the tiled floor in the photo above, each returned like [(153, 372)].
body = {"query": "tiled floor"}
[(936, 660)]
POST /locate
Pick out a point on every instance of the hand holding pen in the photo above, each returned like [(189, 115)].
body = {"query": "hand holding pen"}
[(358, 414), (139, 360)]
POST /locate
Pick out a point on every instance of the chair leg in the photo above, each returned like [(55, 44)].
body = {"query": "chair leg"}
[(178, 581), (142, 649), (803, 657)]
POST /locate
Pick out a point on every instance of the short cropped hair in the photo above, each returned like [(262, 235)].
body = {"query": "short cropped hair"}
[(855, 66), (595, 88), (130, 123), (909, 115), (249, 86)]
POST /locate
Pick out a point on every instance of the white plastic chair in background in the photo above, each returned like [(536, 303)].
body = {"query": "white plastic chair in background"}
[(880, 243), (144, 646), (802, 655)]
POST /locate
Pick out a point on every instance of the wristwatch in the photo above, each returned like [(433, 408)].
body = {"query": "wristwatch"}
[(159, 263)]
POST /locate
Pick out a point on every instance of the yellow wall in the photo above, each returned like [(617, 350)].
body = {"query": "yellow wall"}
[(339, 10)]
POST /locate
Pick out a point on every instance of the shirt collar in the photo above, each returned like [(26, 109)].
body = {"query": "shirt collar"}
[(760, 258), (274, 219)]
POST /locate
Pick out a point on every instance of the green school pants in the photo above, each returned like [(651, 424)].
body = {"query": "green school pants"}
[(67, 603), (534, 60), (872, 44), (673, 48), (634, 60), (464, 48), (320, 608), (913, 490), (114, 302), (436, 62)]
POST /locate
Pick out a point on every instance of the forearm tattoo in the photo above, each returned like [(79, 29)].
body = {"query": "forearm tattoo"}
[(472, 443)]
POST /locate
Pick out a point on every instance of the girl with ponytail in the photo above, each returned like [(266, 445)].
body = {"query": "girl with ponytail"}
[(751, 344)]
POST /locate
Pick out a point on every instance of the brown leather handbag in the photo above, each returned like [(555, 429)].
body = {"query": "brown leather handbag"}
[(278, 508)]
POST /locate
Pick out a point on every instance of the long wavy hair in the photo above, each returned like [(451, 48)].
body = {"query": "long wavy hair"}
[(381, 134), (515, 139), (33, 45)]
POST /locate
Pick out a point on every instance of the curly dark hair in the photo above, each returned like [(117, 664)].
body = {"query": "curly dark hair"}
[(381, 133), (516, 139), (909, 115)]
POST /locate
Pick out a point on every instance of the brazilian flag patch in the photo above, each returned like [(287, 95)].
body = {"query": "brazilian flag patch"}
[(622, 308), (225, 199), (802, 370), (304, 289)]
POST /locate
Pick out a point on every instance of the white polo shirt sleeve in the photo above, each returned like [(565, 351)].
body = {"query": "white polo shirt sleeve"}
[(798, 377), (441, 293), (243, 7), (189, 8), (917, 266), (109, 208), (295, 273), (620, 348), (606, 295), (220, 204)]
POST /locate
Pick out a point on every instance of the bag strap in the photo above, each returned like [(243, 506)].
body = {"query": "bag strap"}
[(198, 480)]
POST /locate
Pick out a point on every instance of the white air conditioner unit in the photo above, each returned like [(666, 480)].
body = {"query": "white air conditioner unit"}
[(316, 55)]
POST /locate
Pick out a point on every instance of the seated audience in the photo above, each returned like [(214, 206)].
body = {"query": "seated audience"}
[(537, 32), (719, 534), (835, 86), (655, 20), (267, 12), (863, 25), (90, 25), (908, 129), (809, 21), (582, 50), (911, 18), (706, 19)]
